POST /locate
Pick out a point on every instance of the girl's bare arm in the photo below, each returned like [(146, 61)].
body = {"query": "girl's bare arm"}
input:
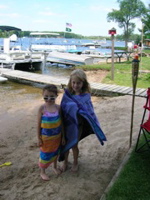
[(39, 126)]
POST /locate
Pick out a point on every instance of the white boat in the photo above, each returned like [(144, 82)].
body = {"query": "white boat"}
[(95, 44), (38, 45), (3, 79), (68, 59), (12, 56), (16, 58), (52, 47)]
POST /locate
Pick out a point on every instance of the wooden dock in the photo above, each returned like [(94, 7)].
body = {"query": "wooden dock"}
[(98, 89)]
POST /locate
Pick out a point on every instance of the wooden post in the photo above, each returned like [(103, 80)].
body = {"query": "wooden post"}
[(135, 71), (112, 57), (112, 32)]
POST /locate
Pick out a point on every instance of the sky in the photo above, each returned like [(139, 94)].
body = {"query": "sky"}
[(88, 17)]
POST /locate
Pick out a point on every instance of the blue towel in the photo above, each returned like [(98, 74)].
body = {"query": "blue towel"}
[(77, 110)]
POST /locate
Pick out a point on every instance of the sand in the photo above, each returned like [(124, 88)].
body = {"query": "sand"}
[(97, 164)]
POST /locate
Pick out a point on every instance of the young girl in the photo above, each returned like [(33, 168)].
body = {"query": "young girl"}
[(79, 119), (49, 131)]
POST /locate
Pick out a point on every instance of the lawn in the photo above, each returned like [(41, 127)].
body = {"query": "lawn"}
[(123, 72), (133, 181)]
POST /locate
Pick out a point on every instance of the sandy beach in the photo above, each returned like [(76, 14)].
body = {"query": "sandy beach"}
[(97, 164)]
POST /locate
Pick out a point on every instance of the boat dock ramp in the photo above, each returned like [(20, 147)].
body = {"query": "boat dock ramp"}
[(98, 89), (69, 59)]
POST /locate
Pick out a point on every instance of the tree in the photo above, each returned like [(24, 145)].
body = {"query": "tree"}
[(129, 10), (146, 23)]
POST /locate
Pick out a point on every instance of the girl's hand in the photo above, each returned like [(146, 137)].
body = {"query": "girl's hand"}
[(40, 142)]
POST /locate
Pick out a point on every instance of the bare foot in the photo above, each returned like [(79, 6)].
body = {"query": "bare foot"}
[(75, 168), (57, 171), (64, 167), (44, 177)]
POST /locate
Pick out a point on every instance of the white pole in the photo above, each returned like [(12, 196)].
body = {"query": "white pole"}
[(6, 45)]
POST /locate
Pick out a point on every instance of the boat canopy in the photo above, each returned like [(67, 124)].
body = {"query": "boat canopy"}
[(43, 33), (13, 37), (9, 28)]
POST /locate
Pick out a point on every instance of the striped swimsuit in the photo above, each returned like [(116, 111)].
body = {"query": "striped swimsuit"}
[(51, 137)]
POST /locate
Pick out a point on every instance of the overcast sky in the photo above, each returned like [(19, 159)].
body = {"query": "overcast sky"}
[(88, 17)]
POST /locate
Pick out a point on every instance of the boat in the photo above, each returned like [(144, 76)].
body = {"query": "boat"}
[(94, 44), (3, 79), (92, 52), (14, 57), (91, 45), (38, 45), (68, 59), (75, 51)]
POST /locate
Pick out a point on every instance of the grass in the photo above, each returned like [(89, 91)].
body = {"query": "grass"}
[(133, 181), (146, 50), (123, 73)]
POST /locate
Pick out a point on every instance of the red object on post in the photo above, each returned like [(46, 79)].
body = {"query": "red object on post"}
[(135, 46), (112, 31)]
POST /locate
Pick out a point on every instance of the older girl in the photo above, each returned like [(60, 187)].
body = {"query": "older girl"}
[(79, 119)]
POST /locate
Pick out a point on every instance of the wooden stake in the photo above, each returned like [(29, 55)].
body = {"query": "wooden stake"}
[(135, 71), (112, 58)]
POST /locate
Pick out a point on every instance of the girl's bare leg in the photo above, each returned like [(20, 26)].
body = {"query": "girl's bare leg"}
[(43, 175), (65, 163), (75, 156), (55, 169)]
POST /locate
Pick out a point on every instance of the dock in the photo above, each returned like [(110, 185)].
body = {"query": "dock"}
[(98, 89)]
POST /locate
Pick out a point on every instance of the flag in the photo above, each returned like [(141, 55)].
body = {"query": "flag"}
[(68, 29), (68, 25)]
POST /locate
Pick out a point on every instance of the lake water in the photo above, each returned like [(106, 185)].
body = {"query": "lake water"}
[(56, 71), (12, 93), (25, 42)]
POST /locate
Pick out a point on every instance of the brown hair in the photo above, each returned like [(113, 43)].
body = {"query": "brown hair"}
[(80, 74), (51, 88)]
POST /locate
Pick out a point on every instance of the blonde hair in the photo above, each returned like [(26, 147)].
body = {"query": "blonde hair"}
[(80, 74)]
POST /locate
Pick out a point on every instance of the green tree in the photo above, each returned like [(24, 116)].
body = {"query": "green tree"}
[(129, 10), (146, 24)]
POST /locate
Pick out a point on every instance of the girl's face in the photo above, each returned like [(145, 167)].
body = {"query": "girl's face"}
[(49, 97), (76, 85)]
